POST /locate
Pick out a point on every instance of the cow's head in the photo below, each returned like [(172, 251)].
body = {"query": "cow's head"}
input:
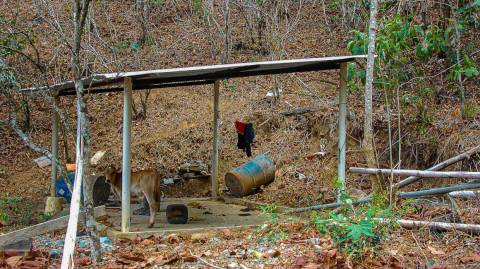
[(110, 175)]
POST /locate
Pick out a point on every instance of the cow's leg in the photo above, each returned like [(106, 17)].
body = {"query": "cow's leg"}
[(145, 205), (153, 207)]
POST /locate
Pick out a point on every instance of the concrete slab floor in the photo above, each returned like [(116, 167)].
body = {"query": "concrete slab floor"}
[(223, 215)]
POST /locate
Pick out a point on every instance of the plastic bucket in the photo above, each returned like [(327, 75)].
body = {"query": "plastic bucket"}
[(101, 189), (251, 175), (53, 205)]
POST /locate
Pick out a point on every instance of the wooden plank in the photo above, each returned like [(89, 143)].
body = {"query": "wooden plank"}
[(417, 173), (19, 246), (45, 227)]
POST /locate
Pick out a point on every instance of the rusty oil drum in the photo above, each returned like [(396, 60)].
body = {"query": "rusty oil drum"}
[(249, 176)]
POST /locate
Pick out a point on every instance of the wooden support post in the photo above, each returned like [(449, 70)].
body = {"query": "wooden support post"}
[(126, 169), (342, 135), (216, 116), (53, 190)]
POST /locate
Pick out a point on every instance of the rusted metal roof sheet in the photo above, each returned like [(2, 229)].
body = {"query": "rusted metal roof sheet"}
[(197, 75)]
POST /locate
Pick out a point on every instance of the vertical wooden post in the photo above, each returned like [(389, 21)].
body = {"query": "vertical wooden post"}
[(54, 152), (126, 169), (342, 126), (216, 116)]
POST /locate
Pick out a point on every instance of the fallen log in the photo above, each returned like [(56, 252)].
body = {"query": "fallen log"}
[(439, 166), (439, 191), (417, 173), (440, 226), (407, 195), (299, 111), (45, 227), (465, 194)]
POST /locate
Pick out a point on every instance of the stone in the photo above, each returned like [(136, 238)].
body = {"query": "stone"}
[(55, 254)]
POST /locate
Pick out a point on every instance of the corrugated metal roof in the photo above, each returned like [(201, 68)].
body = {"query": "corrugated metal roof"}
[(199, 75)]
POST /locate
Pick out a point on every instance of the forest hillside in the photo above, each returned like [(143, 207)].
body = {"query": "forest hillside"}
[(426, 95)]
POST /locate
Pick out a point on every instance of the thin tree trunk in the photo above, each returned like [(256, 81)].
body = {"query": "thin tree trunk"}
[(83, 138), (90, 222), (458, 51), (377, 185)]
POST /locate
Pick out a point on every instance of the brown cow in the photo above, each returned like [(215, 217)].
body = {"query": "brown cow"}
[(143, 183)]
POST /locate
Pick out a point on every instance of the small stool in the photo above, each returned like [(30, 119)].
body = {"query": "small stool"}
[(177, 214)]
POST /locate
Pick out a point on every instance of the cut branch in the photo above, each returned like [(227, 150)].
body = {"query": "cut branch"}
[(440, 166), (440, 226), (417, 173)]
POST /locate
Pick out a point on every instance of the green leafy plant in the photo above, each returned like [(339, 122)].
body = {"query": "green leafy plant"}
[(355, 232), (15, 210), (334, 4), (272, 228), (470, 110)]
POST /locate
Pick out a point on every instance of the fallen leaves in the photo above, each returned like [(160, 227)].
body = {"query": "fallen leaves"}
[(13, 261), (269, 254), (434, 251), (473, 257), (2, 259), (129, 256), (147, 242), (84, 261), (160, 260), (226, 232)]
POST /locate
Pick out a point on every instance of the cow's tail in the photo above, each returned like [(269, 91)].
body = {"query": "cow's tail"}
[(158, 193)]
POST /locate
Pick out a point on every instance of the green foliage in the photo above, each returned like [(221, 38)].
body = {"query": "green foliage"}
[(157, 2), (125, 46), (334, 4), (197, 6), (270, 211), (470, 110), (11, 43), (272, 228), (355, 232), (404, 49), (15, 210), (466, 67)]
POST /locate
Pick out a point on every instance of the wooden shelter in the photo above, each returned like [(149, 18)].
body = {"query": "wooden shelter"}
[(213, 74)]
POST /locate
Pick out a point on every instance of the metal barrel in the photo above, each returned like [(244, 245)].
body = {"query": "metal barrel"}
[(249, 176)]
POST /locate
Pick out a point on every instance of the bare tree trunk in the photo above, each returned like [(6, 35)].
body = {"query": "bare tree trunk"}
[(143, 10), (458, 51), (226, 58), (377, 185), (144, 102)]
